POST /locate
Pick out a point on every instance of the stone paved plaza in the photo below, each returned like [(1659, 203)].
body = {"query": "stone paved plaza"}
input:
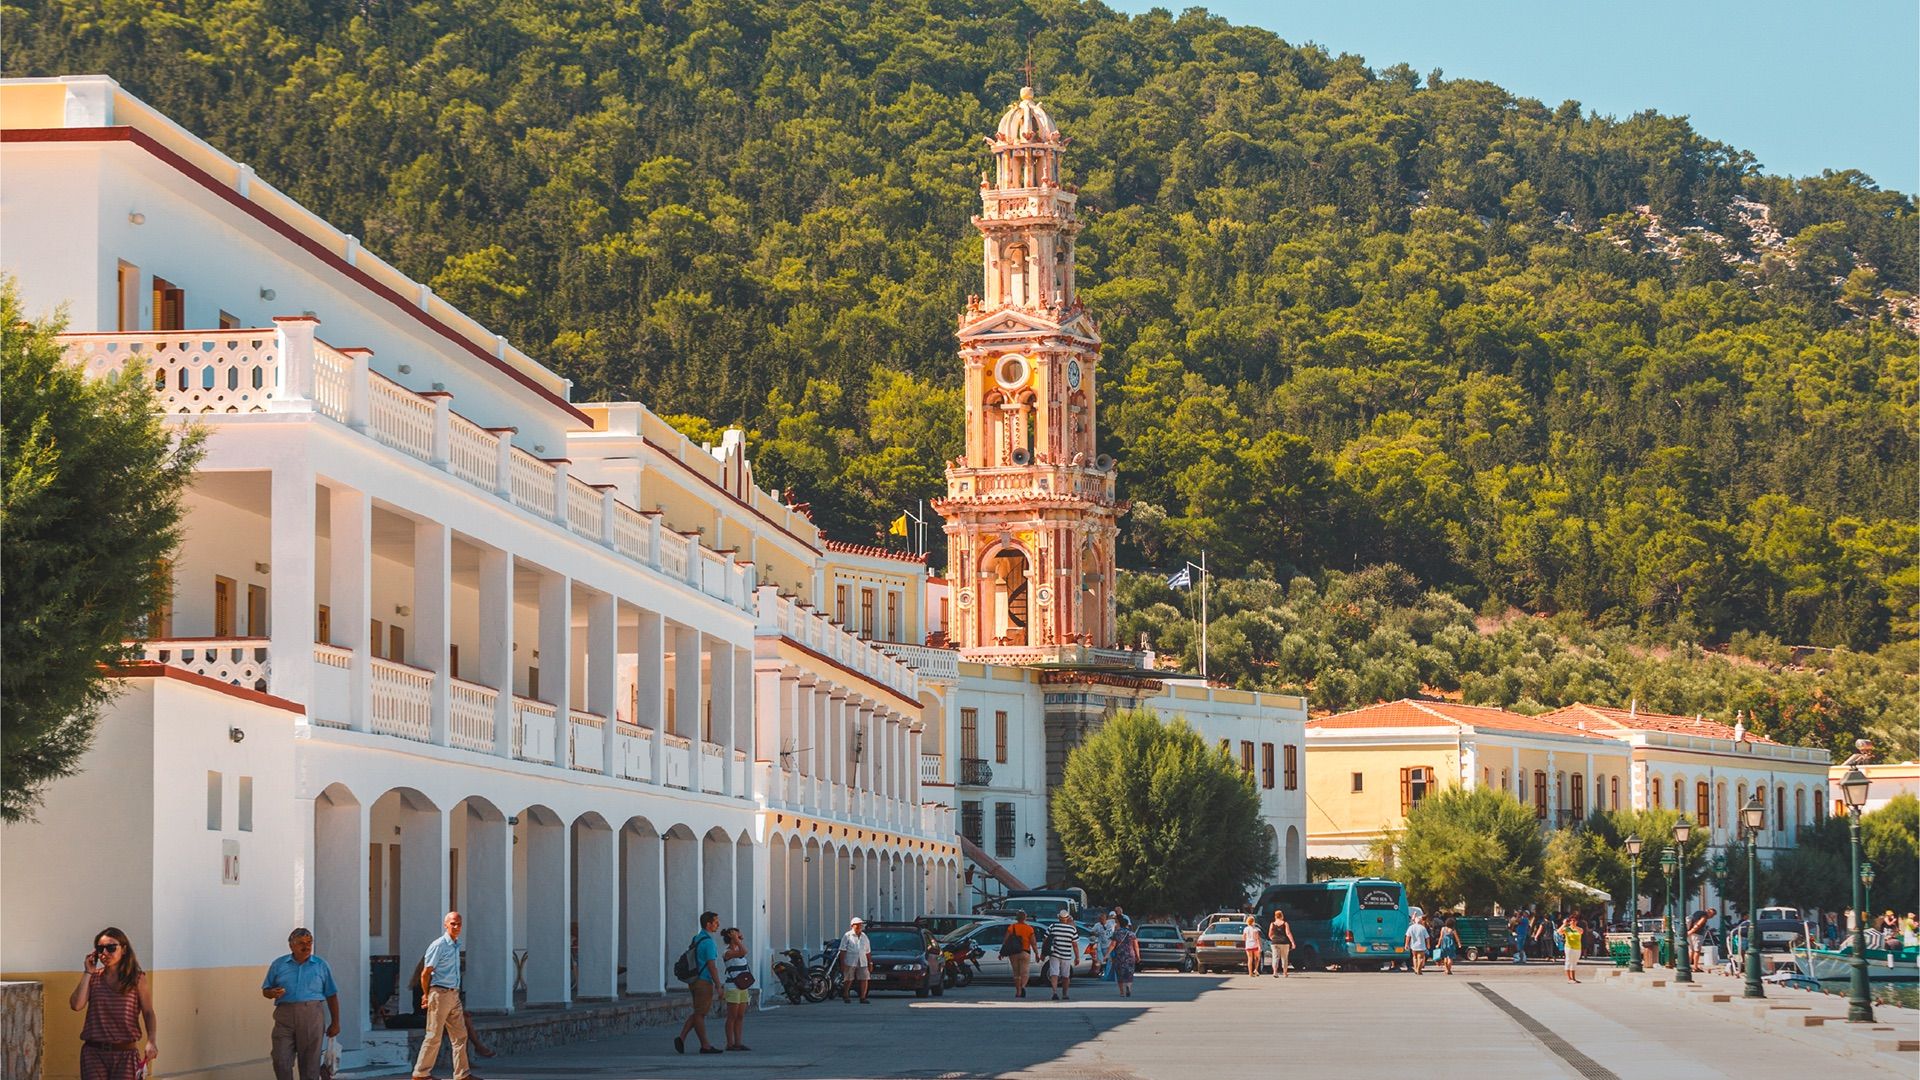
[(1183, 1027)]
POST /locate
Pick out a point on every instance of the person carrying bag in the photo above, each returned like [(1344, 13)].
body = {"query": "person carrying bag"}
[(1017, 950)]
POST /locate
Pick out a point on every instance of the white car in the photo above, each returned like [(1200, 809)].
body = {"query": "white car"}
[(988, 937)]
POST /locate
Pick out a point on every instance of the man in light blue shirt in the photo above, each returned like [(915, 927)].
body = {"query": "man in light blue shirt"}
[(298, 984), (440, 979)]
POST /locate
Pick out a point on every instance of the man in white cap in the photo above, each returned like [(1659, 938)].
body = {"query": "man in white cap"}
[(855, 951)]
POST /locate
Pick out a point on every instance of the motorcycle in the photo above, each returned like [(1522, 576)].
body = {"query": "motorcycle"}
[(959, 964), (824, 977), (791, 970)]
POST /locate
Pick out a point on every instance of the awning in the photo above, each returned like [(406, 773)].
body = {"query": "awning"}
[(1586, 890), (991, 865)]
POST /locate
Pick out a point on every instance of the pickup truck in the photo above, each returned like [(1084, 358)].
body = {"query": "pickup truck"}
[(1780, 928)]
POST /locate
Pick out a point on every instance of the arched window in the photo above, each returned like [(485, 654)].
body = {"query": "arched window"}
[(1819, 806), (1505, 780), (1017, 274), (1539, 793), (1701, 811), (1614, 785), (1800, 807), (1679, 793), (1655, 802), (1720, 805), (1780, 808)]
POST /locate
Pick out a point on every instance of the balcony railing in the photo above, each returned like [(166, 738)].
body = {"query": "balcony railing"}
[(800, 624), (975, 772), (932, 769), (402, 699), (929, 662), (470, 715), (286, 369), (239, 661)]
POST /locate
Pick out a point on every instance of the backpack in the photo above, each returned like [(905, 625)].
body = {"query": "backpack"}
[(686, 967)]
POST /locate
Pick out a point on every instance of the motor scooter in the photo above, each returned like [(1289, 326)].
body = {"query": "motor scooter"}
[(825, 979), (790, 968), (959, 964)]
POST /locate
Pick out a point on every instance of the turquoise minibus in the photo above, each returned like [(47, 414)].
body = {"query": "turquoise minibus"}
[(1349, 922)]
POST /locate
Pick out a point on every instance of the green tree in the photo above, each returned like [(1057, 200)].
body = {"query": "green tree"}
[(1595, 854), (1476, 847), (93, 482), (1151, 817), (1891, 837)]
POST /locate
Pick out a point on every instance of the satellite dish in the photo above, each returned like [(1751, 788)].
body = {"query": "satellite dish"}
[(1022, 456), (1104, 463)]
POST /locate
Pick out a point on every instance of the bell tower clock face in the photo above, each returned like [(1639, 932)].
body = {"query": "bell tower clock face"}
[(1073, 374)]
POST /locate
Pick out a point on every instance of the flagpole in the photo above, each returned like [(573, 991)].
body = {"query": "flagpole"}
[(1203, 613), (920, 528)]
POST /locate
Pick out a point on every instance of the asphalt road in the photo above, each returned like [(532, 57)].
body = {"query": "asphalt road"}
[(1486, 1020)]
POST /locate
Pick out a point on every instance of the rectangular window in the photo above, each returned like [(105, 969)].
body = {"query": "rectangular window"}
[(893, 616), (1290, 755), (213, 801), (1416, 783), (1266, 765), (169, 306), (972, 823), (223, 601), (129, 298), (1246, 756), (246, 804), (1003, 830), (1702, 804), (160, 621), (1359, 783), (533, 691), (1579, 791), (1613, 786), (970, 733), (256, 611), (1000, 736), (1539, 794), (453, 661), (840, 604), (1780, 808), (866, 613)]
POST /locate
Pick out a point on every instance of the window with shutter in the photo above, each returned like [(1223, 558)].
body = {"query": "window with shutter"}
[(1292, 756), (1406, 791), (1266, 765), (1702, 804), (1540, 793)]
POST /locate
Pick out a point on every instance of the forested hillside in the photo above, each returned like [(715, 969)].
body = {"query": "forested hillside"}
[(1539, 358)]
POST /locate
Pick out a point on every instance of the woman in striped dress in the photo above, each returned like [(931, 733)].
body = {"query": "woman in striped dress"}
[(118, 1000)]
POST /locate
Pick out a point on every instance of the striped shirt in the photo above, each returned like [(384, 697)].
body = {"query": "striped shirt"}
[(1063, 941)]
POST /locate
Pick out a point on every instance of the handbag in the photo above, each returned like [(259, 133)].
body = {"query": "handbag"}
[(743, 981)]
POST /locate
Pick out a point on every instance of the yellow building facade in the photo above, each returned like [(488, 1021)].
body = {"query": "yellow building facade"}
[(1369, 767)]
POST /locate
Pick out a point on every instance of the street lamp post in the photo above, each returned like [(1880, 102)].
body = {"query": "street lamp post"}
[(1633, 902), (1866, 882), (1668, 860), (1859, 1002), (1752, 816), (1683, 964)]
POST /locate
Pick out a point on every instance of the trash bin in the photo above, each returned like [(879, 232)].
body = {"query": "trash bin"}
[(1650, 954), (1621, 952), (1709, 956)]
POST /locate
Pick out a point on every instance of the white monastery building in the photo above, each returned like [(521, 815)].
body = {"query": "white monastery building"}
[(441, 637)]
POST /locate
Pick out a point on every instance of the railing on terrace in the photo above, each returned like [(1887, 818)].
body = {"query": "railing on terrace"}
[(238, 661), (930, 662), (932, 769), (533, 730), (803, 626), (586, 745), (286, 369), (470, 715), (402, 699), (1776, 751)]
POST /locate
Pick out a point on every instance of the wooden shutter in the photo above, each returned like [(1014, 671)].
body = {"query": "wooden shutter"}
[(1406, 791)]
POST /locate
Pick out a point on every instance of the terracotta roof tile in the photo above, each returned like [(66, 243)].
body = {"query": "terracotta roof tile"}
[(1621, 721), (1410, 712)]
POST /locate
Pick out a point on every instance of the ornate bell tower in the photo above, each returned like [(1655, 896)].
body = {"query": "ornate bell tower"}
[(1030, 510)]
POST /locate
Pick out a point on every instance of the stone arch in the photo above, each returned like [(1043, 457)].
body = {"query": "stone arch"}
[(643, 907), (543, 855), (1004, 600), (595, 894), (816, 897), (409, 831), (717, 874), (745, 898), (1296, 865), (481, 888), (680, 863)]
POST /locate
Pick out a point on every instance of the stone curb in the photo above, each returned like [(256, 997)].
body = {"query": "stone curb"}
[(1818, 1020)]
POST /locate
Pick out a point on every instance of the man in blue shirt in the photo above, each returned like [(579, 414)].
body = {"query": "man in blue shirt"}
[(440, 979), (706, 977), (297, 984)]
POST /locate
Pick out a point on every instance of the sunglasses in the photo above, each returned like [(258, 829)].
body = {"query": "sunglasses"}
[(111, 946)]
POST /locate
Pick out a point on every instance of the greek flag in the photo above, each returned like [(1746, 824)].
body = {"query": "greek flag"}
[(1181, 580)]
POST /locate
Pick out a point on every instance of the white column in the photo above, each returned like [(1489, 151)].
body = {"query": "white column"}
[(340, 904), (686, 698), (650, 655), (487, 900), (775, 697), (291, 614), (349, 588), (646, 907), (603, 665), (423, 881), (556, 646), (597, 907), (496, 641), (433, 615), (720, 678), (746, 729)]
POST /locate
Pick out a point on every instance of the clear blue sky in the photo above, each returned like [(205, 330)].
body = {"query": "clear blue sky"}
[(1804, 85)]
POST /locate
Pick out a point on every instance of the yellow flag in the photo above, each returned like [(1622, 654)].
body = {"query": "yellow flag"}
[(899, 526)]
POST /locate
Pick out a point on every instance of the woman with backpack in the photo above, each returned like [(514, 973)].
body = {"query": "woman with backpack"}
[(1017, 950)]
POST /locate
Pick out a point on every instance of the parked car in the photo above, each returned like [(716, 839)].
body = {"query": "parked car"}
[(1483, 937), (1779, 934), (942, 925), (988, 936), (905, 957), (1193, 935), (1219, 947), (1162, 945)]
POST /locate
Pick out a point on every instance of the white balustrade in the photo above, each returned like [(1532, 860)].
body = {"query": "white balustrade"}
[(470, 715), (531, 481), (930, 769), (679, 750), (586, 740), (533, 730), (473, 454), (630, 533), (192, 372), (332, 383), (243, 662), (710, 766), (401, 418), (633, 751), (673, 554), (402, 699), (585, 509)]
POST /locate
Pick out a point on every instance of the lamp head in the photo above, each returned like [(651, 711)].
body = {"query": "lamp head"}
[(1866, 873), (1754, 814), (1853, 788), (1633, 846), (1668, 859), (1681, 830)]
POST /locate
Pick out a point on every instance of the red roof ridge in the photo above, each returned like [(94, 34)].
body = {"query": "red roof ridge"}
[(872, 551)]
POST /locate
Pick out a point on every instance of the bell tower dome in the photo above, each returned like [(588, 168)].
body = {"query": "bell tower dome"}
[(1030, 509)]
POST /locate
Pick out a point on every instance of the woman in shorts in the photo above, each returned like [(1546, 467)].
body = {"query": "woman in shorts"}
[(734, 960), (1570, 930)]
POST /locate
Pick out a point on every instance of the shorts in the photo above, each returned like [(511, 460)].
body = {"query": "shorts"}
[(1018, 962), (856, 971), (1059, 967), (1282, 956), (702, 995), (735, 996), (1573, 958), (1693, 942)]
